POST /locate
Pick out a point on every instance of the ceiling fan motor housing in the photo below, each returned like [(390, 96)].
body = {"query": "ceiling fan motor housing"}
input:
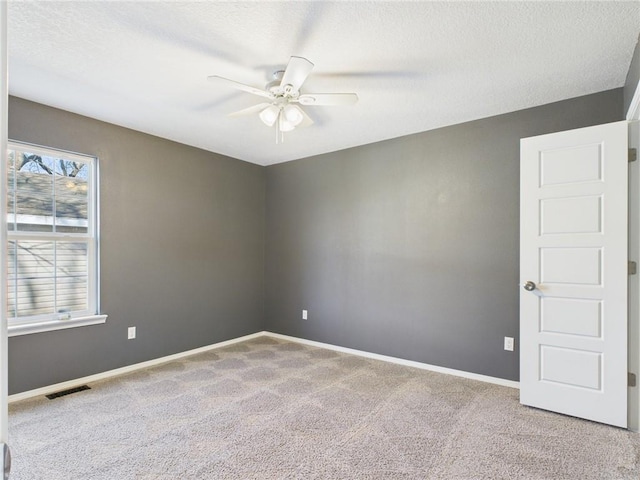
[(278, 90)]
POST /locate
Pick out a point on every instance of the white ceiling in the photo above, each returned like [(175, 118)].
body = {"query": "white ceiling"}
[(416, 66)]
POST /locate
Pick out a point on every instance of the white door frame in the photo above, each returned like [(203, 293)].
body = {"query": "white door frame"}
[(633, 397), (4, 100), (633, 116), (634, 107)]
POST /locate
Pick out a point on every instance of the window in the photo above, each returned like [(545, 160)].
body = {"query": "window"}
[(52, 240)]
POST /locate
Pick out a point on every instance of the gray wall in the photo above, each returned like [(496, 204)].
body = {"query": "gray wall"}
[(182, 249), (409, 247), (633, 78)]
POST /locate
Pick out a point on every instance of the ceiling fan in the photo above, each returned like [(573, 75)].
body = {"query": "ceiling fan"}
[(281, 109)]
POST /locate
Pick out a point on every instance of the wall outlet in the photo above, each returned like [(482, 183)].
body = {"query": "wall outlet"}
[(304, 314), (131, 333), (508, 343)]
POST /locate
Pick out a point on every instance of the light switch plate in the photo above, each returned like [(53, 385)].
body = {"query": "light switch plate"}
[(508, 343)]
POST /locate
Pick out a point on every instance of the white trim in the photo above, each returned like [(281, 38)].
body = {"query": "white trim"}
[(177, 356), (634, 107), (47, 220), (59, 324), (90, 315), (633, 395), (400, 361), (124, 370), (4, 100), (95, 255), (50, 151)]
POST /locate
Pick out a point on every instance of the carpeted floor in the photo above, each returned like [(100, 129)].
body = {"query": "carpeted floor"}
[(269, 409)]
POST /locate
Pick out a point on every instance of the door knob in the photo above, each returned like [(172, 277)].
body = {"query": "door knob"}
[(529, 286)]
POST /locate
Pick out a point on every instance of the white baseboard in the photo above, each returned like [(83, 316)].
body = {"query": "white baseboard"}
[(400, 361), (177, 356), (123, 370)]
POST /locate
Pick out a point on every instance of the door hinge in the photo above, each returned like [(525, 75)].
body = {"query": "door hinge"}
[(633, 155), (633, 268), (631, 379)]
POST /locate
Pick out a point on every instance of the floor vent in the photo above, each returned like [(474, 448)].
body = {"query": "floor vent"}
[(68, 392)]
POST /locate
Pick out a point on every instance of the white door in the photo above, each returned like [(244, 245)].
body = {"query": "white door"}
[(573, 272)]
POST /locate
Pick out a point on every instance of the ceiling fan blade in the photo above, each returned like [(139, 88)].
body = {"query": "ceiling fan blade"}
[(239, 86), (328, 99), (297, 71), (249, 111)]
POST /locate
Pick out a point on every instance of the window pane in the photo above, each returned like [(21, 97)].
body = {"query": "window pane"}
[(72, 294), (35, 258), (49, 192), (72, 276), (71, 197), (10, 190), (33, 280), (34, 192), (11, 270), (37, 288), (35, 296)]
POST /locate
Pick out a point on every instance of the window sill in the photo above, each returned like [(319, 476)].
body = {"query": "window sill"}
[(48, 326)]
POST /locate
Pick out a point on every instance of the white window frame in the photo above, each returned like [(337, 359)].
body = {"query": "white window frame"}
[(90, 316)]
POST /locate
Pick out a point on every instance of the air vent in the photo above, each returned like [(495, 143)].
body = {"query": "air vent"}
[(68, 392)]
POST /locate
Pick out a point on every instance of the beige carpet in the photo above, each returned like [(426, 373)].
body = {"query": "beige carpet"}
[(269, 409)]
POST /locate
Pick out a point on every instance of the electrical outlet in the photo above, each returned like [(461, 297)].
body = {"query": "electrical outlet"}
[(304, 314), (508, 343), (131, 333)]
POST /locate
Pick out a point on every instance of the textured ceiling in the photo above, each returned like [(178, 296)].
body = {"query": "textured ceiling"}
[(415, 66)]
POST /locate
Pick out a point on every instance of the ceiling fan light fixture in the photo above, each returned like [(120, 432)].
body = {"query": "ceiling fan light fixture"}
[(285, 125), (293, 114), (269, 115)]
